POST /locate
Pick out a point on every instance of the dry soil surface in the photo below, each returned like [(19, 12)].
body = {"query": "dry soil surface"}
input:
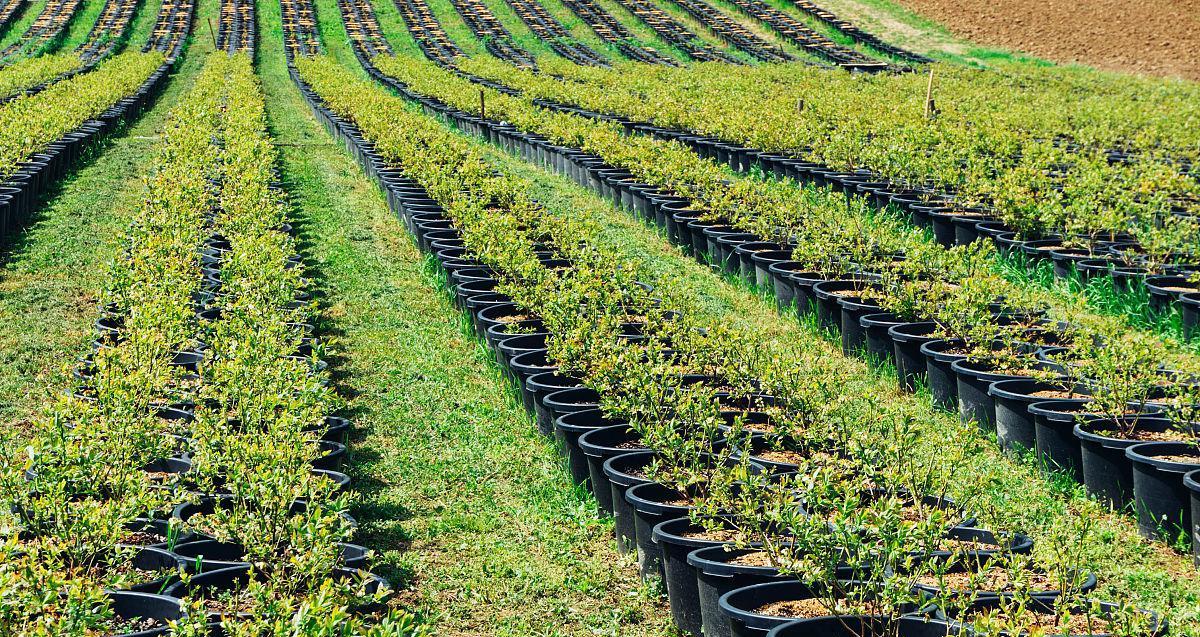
[(1159, 37)]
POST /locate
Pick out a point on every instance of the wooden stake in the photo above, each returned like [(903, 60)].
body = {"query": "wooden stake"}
[(799, 106), (482, 106), (212, 33), (930, 108)]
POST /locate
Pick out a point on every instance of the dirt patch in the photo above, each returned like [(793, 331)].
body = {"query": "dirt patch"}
[(1158, 37)]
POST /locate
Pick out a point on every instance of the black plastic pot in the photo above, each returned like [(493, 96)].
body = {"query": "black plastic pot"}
[(567, 430), (828, 294), (908, 339), (1014, 424), (651, 503), (803, 283), (782, 283), (1161, 501), (156, 560), (1190, 307), (1107, 472), (622, 472), (536, 387), (939, 372), (877, 341), (598, 446), (136, 605), (738, 606), (1191, 482), (912, 625), (677, 539), (716, 575), (1054, 430), (210, 555), (854, 335), (975, 402)]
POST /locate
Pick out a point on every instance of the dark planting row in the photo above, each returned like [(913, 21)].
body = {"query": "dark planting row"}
[(609, 29), (733, 32), (428, 32), (711, 590), (110, 29), (674, 33), (172, 27), (858, 35), (809, 39), (495, 37), (547, 28), (50, 24), (9, 10), (238, 27), (363, 27), (300, 31)]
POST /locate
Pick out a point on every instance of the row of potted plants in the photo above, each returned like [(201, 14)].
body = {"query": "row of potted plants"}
[(612, 31), (424, 27), (675, 33), (171, 28), (238, 28), (1165, 273), (188, 483), (943, 316), (46, 31), (856, 33), (659, 407), (1139, 207), (549, 30), (734, 33), (498, 41), (22, 76), (45, 134), (110, 30), (809, 39)]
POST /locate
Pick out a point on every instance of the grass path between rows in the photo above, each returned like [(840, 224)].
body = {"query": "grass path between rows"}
[(50, 274), (471, 510)]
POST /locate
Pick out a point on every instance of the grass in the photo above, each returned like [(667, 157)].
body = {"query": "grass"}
[(471, 509), (50, 274)]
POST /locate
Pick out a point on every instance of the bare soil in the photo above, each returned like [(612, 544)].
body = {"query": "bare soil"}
[(1157, 37)]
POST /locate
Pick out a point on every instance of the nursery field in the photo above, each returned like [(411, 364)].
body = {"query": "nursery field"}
[(708, 318)]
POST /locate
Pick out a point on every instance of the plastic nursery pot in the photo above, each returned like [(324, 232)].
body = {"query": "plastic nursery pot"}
[(623, 472), (537, 387), (1190, 306), (1081, 583), (828, 294), (975, 403), (940, 356), (159, 561), (1099, 614), (876, 340), (1107, 472), (907, 341), (1054, 433), (1017, 544), (210, 555), (677, 539), (719, 571), (515, 345), (567, 430), (1160, 500), (781, 282), (803, 283), (854, 335), (1014, 423), (598, 445), (147, 613), (1191, 481), (912, 625), (1164, 289), (652, 504), (748, 609)]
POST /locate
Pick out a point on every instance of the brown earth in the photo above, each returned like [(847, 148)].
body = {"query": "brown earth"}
[(1158, 37)]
